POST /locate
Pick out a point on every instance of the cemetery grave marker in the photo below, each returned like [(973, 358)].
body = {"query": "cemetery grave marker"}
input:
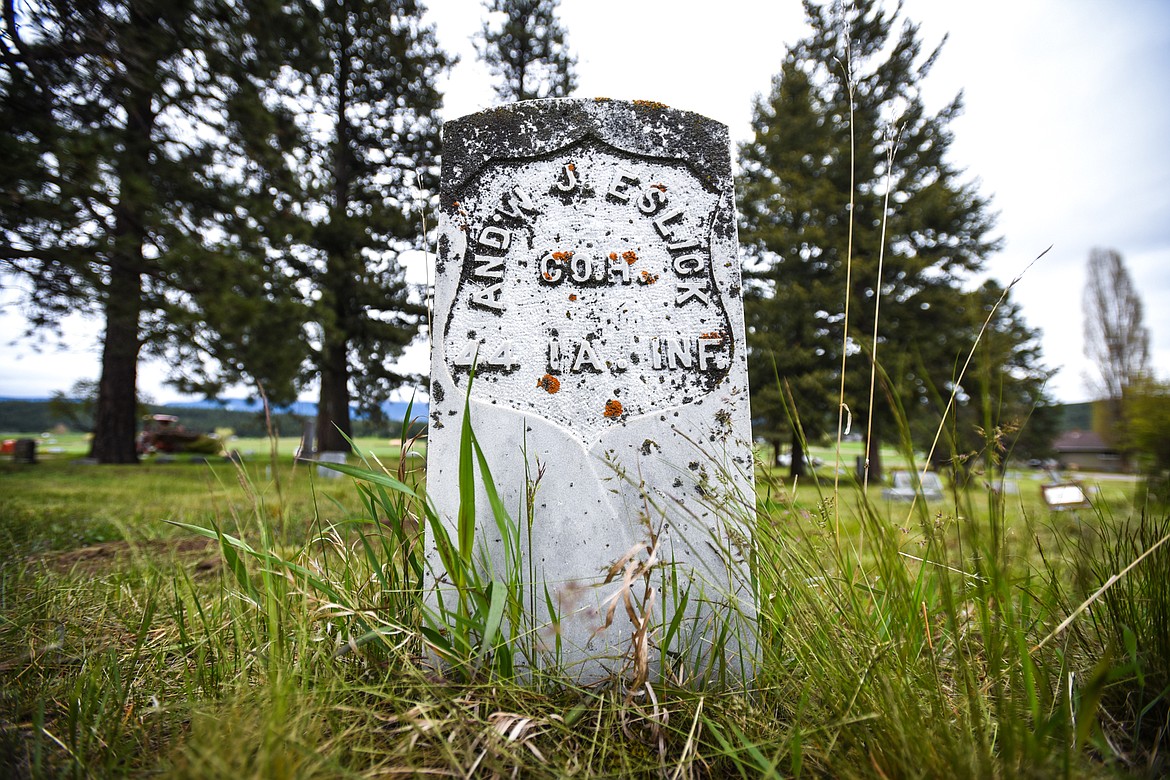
[(587, 272), (1064, 496)]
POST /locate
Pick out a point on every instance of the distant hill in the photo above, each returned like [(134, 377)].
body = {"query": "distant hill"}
[(28, 415), (298, 408), (33, 415), (393, 410)]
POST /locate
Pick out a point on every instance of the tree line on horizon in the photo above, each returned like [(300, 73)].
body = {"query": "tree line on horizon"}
[(231, 187)]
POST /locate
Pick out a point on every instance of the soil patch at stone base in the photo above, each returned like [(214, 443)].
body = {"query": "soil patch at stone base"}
[(199, 554)]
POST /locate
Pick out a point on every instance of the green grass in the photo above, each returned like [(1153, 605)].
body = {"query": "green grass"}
[(61, 504), (69, 446), (894, 643)]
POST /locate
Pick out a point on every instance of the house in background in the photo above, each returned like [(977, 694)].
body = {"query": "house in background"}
[(1087, 451)]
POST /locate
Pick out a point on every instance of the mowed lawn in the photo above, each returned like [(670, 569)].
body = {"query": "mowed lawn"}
[(64, 503)]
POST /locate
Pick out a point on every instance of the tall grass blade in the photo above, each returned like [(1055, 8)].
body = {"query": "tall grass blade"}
[(466, 520)]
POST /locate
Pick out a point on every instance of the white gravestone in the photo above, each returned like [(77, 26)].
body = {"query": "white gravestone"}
[(587, 269)]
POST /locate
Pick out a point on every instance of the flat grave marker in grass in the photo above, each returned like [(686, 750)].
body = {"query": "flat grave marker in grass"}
[(588, 275)]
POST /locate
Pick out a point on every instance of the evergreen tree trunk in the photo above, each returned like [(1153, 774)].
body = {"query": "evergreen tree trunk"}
[(115, 419), (797, 465), (333, 406), (873, 452)]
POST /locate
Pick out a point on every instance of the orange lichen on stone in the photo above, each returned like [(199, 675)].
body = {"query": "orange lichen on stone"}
[(649, 104), (547, 276), (572, 167), (613, 255), (572, 296), (715, 334), (629, 256), (562, 256), (613, 409), (648, 278), (659, 187), (549, 383)]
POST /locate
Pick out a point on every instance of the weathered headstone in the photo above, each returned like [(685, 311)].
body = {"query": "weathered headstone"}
[(330, 457), (25, 451), (307, 447), (910, 485), (587, 270), (1065, 496)]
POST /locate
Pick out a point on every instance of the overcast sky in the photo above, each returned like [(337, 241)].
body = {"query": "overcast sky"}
[(1066, 127)]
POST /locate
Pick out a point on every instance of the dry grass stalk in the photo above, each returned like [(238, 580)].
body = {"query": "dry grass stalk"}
[(638, 611)]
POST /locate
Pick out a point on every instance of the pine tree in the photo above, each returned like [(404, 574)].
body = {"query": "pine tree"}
[(527, 51), (365, 105), (242, 320), (846, 167), (114, 152)]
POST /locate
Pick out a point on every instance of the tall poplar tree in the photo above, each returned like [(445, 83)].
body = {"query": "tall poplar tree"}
[(366, 104), (115, 155), (526, 50), (1116, 338), (847, 176)]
